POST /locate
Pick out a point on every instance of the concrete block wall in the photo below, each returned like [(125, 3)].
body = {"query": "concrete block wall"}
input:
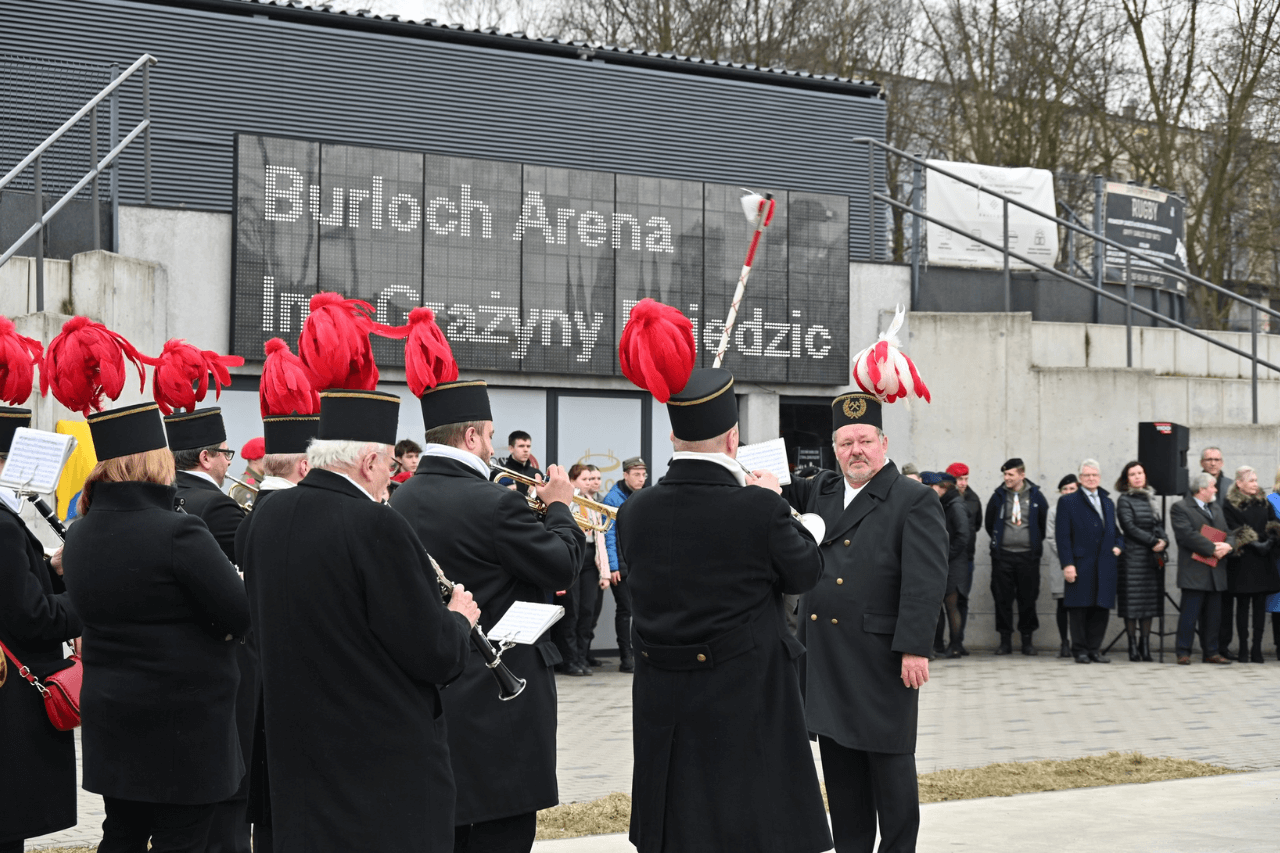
[(18, 285)]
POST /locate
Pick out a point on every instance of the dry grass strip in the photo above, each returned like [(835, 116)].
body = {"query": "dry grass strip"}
[(613, 813)]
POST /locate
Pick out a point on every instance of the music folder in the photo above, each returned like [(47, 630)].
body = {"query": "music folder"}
[(525, 622), (1213, 534)]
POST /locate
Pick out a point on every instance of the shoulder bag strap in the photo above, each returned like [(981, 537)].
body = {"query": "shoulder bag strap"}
[(22, 670)]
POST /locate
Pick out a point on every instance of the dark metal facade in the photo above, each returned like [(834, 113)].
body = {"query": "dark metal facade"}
[(230, 65)]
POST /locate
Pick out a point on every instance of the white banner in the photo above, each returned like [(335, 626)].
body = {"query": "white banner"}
[(982, 215)]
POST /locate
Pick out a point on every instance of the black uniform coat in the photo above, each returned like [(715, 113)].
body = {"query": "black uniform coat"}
[(1187, 518), (722, 761), (959, 535), (353, 640), (485, 537), (880, 594), (158, 600), (1086, 540), (1251, 567), (37, 762)]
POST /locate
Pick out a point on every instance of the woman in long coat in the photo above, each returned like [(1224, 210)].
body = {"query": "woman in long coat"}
[(1141, 583), (161, 606), (1251, 570), (37, 762)]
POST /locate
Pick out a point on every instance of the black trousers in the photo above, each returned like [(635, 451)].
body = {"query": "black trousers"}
[(1226, 622), (229, 829), (1258, 601), (169, 828), (562, 633), (12, 846), (622, 616), (589, 597), (864, 788), (1015, 576), (1088, 629), (1206, 606), (504, 835)]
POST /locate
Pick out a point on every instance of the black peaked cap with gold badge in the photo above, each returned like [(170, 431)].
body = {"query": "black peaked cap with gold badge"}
[(855, 408), (705, 407), (194, 430), (127, 430), (352, 415)]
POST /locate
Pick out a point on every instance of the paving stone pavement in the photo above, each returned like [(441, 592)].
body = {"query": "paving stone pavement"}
[(973, 711)]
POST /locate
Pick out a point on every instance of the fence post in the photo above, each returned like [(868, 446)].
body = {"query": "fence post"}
[(1008, 305), (917, 190), (146, 138), (115, 164), (39, 239), (1099, 250), (1128, 310), (1253, 334)]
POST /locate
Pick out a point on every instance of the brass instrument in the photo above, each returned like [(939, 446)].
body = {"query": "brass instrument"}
[(580, 507), (509, 686), (815, 524), (242, 493)]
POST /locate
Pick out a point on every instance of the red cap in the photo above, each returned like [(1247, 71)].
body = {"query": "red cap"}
[(253, 449), (958, 469)]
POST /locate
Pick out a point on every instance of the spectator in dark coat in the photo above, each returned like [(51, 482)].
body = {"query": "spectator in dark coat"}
[(1141, 585), (1202, 585), (958, 535), (1016, 517), (1251, 570), (973, 506), (162, 608), (1088, 544), (37, 762), (1057, 587)]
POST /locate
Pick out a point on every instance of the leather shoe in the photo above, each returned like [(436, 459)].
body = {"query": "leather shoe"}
[(1005, 647), (1027, 648), (1184, 660), (1097, 658), (1083, 659), (954, 652), (1228, 654), (628, 664), (1216, 659), (596, 662), (1065, 651)]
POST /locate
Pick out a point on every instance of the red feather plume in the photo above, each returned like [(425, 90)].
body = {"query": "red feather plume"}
[(85, 362), (18, 357), (428, 358), (657, 352), (180, 375), (288, 385), (334, 343)]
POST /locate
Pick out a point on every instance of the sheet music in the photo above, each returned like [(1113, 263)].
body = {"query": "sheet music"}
[(525, 622), (36, 459), (770, 455)]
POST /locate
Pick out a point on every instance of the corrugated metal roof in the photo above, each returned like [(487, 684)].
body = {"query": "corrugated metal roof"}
[(322, 14)]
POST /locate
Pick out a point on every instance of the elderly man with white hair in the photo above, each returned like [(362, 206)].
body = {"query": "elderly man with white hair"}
[(1088, 545), (354, 642)]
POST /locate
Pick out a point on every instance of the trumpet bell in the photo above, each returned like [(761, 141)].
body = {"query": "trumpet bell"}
[(814, 524)]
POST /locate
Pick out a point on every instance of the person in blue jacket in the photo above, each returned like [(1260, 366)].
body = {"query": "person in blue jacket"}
[(634, 475)]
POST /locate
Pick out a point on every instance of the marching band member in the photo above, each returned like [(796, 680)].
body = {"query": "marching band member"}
[(485, 537), (37, 762), (352, 636), (722, 759)]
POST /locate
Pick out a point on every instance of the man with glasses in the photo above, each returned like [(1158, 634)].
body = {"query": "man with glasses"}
[(198, 441), (1211, 463), (1088, 545)]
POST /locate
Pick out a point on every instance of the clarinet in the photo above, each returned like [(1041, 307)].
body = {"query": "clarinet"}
[(509, 686), (50, 517)]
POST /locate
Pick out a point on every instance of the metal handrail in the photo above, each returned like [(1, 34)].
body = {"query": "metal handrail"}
[(1069, 225), (145, 60), (1100, 292), (143, 63)]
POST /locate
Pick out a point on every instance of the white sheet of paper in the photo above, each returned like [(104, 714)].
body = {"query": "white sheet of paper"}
[(770, 455), (36, 459), (525, 622)]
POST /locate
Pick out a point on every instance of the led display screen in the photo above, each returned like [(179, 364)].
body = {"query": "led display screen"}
[(532, 268)]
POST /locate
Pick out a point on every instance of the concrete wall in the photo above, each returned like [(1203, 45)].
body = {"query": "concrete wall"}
[(18, 285)]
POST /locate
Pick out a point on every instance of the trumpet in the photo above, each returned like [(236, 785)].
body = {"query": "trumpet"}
[(242, 493), (815, 524), (580, 508), (509, 686)]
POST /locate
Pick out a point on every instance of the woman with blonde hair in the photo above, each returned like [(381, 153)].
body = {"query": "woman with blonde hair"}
[(161, 607), (1251, 572)]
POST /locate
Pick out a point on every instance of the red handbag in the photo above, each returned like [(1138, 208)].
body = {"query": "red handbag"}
[(61, 691)]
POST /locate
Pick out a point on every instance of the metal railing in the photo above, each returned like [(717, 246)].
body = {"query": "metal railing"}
[(1095, 286), (96, 166)]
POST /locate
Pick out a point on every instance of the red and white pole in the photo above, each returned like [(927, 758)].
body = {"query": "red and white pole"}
[(763, 216)]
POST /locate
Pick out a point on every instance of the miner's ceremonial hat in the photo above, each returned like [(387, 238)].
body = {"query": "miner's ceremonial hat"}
[(706, 407), (194, 430), (126, 431), (353, 415)]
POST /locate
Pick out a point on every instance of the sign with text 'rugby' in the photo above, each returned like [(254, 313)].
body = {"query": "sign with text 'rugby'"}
[(532, 268)]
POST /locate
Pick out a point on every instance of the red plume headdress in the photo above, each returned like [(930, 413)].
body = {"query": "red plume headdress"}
[(656, 351), (18, 357), (884, 371), (180, 375), (85, 362), (334, 343), (428, 358), (288, 385)]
